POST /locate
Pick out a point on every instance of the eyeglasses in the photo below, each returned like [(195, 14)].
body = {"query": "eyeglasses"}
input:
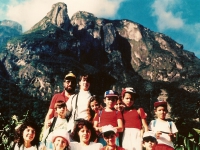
[(69, 81)]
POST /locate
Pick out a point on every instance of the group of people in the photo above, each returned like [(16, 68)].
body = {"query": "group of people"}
[(79, 121)]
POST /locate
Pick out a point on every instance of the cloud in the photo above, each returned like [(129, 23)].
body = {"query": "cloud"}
[(166, 19), (29, 12)]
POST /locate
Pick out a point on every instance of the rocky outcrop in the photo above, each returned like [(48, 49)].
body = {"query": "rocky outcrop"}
[(58, 16)]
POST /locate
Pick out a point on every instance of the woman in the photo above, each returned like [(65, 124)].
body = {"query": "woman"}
[(27, 137), (84, 136)]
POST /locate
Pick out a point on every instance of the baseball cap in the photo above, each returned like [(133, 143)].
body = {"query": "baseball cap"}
[(70, 75), (149, 136), (60, 133), (110, 93), (108, 128), (160, 103), (128, 90), (149, 133)]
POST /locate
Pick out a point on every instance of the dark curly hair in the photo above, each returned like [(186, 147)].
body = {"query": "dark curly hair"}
[(19, 133), (79, 125)]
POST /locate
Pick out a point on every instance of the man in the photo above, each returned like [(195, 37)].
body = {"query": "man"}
[(69, 85), (78, 104)]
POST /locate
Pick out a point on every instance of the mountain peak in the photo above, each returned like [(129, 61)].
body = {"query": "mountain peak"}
[(58, 16)]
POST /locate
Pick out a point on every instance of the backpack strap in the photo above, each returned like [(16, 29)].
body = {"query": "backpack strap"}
[(170, 125), (154, 123), (51, 127), (99, 114), (75, 105)]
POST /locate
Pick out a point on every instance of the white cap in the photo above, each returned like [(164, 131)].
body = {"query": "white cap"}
[(149, 133), (108, 128), (60, 133)]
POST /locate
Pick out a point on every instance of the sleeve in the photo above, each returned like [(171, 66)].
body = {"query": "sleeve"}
[(150, 126), (119, 115), (53, 101), (142, 113), (174, 129)]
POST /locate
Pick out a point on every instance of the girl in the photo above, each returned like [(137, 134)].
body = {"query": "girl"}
[(27, 137), (134, 119), (84, 136), (93, 107), (109, 116), (119, 106)]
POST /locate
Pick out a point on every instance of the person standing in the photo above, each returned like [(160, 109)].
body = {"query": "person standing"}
[(134, 120), (69, 84), (165, 130), (77, 104)]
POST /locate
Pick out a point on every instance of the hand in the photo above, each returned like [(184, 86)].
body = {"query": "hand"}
[(172, 136), (158, 133), (48, 124)]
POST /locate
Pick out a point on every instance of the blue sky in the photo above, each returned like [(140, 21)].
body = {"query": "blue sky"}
[(178, 19)]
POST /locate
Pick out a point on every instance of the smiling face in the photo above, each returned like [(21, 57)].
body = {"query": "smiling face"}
[(119, 105), (128, 100), (84, 84), (60, 143), (29, 134), (161, 112), (84, 135), (110, 101), (94, 106)]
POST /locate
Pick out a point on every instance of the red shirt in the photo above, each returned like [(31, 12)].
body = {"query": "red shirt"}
[(132, 119), (106, 118), (55, 98)]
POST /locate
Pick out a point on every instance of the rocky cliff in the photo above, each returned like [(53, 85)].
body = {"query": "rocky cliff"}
[(118, 53)]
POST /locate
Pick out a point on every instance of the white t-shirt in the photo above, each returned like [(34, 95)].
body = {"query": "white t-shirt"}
[(24, 148), (162, 125), (81, 109), (91, 146)]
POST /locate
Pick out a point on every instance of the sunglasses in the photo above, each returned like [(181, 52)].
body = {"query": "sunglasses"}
[(109, 135), (149, 139)]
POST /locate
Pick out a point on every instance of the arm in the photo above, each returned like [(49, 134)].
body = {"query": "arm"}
[(96, 126), (144, 124), (47, 122), (120, 126)]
